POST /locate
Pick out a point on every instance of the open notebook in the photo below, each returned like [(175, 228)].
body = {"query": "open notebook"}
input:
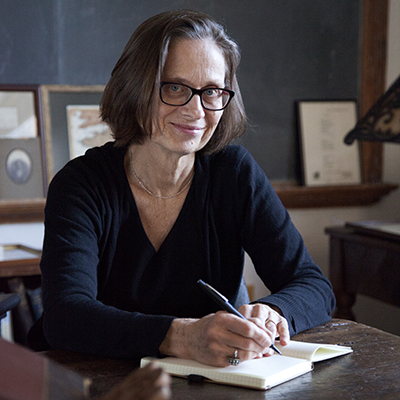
[(263, 373)]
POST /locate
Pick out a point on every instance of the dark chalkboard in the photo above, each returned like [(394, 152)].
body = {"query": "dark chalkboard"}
[(291, 50)]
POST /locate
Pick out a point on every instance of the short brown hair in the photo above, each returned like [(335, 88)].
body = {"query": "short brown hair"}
[(127, 104)]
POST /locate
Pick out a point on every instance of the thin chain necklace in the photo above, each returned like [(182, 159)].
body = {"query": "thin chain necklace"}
[(156, 195)]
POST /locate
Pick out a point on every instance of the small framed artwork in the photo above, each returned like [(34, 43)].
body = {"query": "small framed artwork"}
[(72, 123), (22, 168), (326, 159)]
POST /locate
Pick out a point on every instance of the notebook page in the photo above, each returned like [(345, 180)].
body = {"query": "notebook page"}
[(263, 373), (312, 351), (330, 351)]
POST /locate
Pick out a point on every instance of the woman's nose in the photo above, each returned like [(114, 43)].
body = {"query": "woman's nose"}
[(194, 107)]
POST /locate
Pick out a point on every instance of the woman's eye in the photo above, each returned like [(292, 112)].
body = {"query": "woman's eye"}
[(175, 88), (211, 92)]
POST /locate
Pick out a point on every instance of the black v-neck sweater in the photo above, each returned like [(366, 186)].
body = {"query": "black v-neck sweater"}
[(106, 291)]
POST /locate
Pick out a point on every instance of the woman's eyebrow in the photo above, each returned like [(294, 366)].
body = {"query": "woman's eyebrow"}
[(189, 83), (185, 81)]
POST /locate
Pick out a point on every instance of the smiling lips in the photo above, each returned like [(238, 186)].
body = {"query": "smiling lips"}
[(190, 130)]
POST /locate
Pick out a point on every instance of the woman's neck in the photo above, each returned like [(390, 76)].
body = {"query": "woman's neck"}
[(160, 173)]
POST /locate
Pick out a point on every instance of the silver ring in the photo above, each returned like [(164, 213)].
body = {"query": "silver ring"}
[(234, 360), (269, 320)]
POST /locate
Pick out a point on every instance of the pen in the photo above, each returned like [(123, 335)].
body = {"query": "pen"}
[(223, 302)]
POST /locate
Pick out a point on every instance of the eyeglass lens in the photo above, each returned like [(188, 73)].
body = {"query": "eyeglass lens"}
[(178, 95)]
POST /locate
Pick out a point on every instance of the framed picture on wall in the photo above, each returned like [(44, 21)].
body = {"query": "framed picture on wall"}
[(72, 123), (326, 159), (22, 167)]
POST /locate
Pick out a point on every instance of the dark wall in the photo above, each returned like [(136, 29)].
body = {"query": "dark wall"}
[(291, 50)]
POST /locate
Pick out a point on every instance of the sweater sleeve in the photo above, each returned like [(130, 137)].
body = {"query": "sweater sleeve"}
[(298, 286), (79, 221)]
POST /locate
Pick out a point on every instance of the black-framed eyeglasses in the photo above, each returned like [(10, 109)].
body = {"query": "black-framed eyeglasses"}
[(178, 94)]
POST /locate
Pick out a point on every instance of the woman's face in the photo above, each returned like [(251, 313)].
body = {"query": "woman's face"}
[(187, 129)]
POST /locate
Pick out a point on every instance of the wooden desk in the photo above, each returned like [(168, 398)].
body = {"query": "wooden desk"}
[(365, 264), (372, 371), (22, 261)]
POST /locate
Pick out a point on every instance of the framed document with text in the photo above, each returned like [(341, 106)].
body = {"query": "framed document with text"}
[(326, 159)]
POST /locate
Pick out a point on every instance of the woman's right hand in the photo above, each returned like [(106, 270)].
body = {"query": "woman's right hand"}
[(214, 338)]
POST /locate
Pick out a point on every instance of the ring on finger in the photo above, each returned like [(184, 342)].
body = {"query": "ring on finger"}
[(269, 320), (235, 360)]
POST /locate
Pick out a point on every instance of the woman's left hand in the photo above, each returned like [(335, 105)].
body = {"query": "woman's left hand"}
[(269, 320), (148, 383)]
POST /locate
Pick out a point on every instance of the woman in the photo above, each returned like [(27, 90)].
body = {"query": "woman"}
[(132, 226)]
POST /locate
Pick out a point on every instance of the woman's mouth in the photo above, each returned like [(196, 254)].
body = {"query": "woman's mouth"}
[(189, 129)]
